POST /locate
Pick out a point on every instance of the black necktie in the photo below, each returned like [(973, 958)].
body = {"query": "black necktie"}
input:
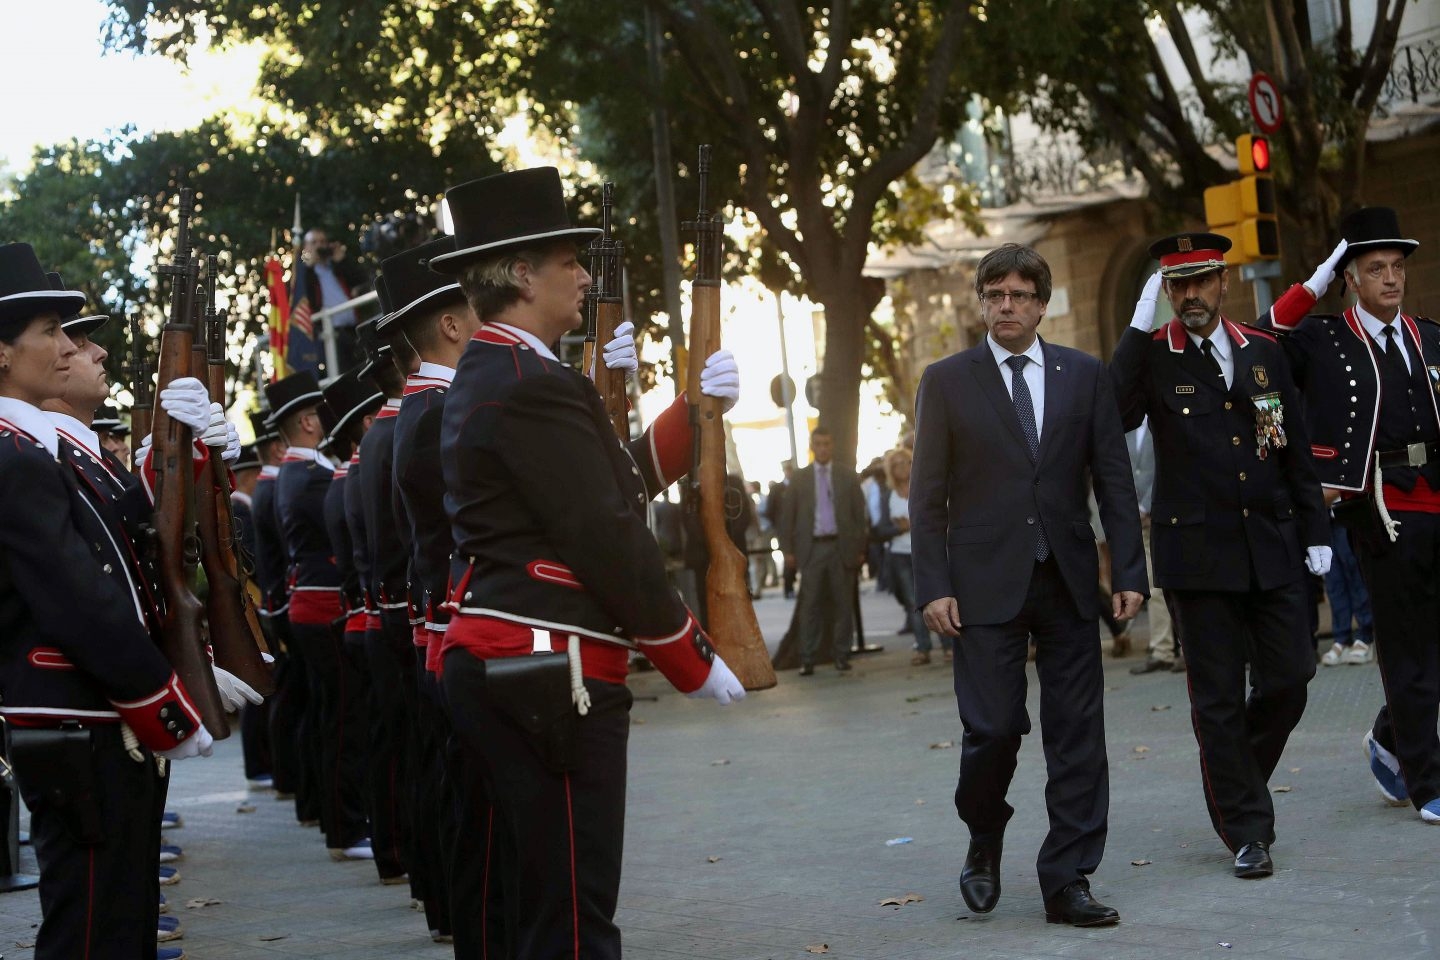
[(1392, 351), (1207, 347), (1025, 410)]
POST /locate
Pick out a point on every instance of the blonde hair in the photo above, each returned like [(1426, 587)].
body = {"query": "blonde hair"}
[(892, 459), (494, 283)]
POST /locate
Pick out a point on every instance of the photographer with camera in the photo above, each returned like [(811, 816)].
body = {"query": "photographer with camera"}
[(326, 278)]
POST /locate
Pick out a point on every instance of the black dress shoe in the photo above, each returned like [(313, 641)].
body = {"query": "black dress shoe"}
[(843, 666), (1253, 861), (807, 670), (1151, 665), (1074, 905), (980, 877)]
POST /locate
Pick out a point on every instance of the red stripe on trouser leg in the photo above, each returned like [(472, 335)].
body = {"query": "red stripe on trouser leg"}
[(1204, 768), (574, 894)]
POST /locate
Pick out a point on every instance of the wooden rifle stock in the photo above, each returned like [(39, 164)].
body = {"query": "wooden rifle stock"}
[(183, 637), (730, 614), (606, 268), (235, 636)]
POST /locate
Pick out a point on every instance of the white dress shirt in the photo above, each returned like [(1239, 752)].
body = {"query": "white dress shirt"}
[(1224, 350), (1034, 376), (1376, 329)]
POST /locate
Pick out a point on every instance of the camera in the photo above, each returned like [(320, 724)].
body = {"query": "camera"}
[(324, 251)]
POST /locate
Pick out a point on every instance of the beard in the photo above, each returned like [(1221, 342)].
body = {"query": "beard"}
[(1196, 314)]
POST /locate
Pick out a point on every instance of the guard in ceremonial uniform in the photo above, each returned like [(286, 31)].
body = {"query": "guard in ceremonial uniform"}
[(431, 314), (1237, 518), (114, 434), (315, 611), (1370, 378), (287, 704), (254, 720), (86, 694), (553, 556), (396, 755)]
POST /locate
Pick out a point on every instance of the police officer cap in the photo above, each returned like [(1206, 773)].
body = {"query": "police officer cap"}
[(260, 423), (1190, 254), (300, 389), (412, 287), (349, 396), (75, 324)]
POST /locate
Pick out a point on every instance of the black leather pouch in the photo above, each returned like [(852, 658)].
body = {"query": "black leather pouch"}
[(57, 767), (533, 692)]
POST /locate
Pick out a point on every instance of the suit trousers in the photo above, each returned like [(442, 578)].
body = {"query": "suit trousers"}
[(1405, 602), (333, 733), (1242, 736), (1162, 631), (826, 608), (568, 828), (100, 900), (990, 691)]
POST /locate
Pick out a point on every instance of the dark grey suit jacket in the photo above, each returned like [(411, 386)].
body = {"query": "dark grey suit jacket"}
[(797, 525), (976, 498)]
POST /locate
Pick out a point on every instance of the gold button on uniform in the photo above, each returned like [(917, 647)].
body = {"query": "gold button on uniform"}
[(1245, 512), (1227, 404), (1235, 441), (1186, 410), (1242, 474)]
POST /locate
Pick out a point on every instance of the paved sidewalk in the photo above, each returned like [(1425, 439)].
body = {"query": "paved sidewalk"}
[(760, 831)]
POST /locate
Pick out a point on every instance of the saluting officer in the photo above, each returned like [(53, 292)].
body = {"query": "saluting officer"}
[(548, 511), (75, 675), (315, 608), (1237, 518), (1370, 377)]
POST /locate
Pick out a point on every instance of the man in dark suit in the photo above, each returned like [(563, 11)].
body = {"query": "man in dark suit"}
[(1236, 519), (823, 535), (1007, 434)]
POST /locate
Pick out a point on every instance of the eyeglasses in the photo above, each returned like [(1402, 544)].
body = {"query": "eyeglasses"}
[(1020, 298)]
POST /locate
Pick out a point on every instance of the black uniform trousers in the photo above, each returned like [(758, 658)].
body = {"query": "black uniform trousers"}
[(990, 690), (1405, 599), (567, 829), (293, 775), (333, 731), (100, 900), (1241, 737), (434, 821), (389, 664)]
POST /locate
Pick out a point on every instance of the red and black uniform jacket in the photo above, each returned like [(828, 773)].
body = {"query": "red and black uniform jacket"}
[(421, 490), (386, 536), (352, 595), (271, 561), (548, 512), (75, 611), (300, 503)]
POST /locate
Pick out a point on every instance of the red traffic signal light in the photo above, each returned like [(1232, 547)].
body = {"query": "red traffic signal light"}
[(1252, 154)]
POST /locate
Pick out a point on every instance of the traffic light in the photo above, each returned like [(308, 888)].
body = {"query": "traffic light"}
[(1244, 209)]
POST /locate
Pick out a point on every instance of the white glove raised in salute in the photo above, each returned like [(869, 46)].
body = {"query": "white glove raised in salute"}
[(721, 378), (185, 399), (619, 354), (721, 684), (1319, 281), (1144, 318)]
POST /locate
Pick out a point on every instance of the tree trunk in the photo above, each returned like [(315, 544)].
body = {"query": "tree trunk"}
[(848, 303)]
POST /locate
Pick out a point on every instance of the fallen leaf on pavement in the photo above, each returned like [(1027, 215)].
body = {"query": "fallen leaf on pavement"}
[(720, 763), (199, 902), (818, 948), (25, 944), (1281, 789), (1142, 749), (1139, 863), (1222, 943), (920, 802), (898, 841), (942, 745), (1294, 769), (245, 808), (273, 936), (712, 859), (901, 900), (637, 720)]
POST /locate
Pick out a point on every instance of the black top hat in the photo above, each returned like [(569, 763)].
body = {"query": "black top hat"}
[(25, 290), (260, 423), (506, 210), (107, 420), (376, 350), (249, 459), (414, 288), (1373, 228), (1190, 254), (75, 324), (295, 391), (349, 396), (327, 423)]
